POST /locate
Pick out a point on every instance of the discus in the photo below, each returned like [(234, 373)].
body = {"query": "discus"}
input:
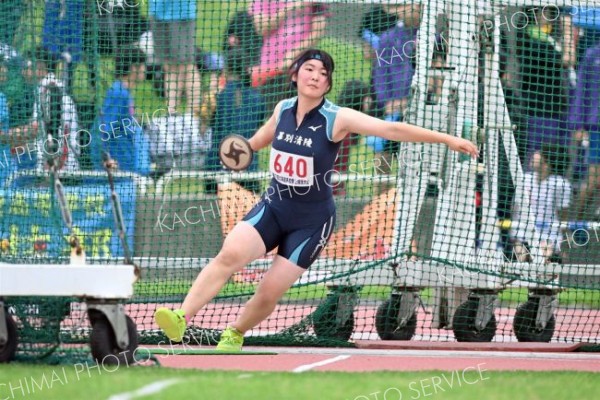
[(235, 152)]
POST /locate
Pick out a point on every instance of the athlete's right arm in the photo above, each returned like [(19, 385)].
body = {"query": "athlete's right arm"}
[(265, 134)]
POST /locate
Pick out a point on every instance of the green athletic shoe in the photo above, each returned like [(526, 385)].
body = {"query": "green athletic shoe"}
[(231, 340), (171, 322)]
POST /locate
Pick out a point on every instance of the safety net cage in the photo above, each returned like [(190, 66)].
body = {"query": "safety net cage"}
[(113, 197)]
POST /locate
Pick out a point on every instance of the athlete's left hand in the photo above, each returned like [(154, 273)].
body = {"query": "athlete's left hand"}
[(463, 146)]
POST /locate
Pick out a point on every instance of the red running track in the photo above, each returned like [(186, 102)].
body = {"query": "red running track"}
[(352, 360), (571, 323)]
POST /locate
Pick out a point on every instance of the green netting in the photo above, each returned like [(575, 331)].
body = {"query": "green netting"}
[(429, 245)]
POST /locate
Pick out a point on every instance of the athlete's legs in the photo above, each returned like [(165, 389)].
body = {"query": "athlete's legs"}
[(278, 279), (242, 245)]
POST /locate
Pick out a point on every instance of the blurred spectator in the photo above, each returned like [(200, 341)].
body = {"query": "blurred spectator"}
[(174, 32), (568, 34), (53, 127), (116, 130), (588, 21), (18, 90), (375, 22), (584, 121), (393, 70), (356, 95), (395, 51), (549, 194), (287, 28), (240, 110), (241, 33), (110, 25), (11, 12), (212, 64), (545, 58), (393, 67), (62, 34), (178, 142), (4, 119), (6, 164)]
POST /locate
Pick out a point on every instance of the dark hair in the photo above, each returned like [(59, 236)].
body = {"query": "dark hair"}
[(353, 93), (241, 28), (126, 57), (557, 158), (237, 63), (41, 55), (313, 54), (319, 9)]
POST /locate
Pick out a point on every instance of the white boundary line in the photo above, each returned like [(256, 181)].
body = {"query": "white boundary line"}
[(307, 367), (346, 353), (146, 390)]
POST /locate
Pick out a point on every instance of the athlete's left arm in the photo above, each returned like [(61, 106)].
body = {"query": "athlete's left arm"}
[(349, 120), (265, 134)]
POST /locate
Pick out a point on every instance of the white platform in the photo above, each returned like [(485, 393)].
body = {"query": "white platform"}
[(87, 281)]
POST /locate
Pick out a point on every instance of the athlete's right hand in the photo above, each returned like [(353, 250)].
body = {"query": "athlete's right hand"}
[(463, 146)]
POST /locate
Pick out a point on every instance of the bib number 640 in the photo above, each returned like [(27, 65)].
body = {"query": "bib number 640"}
[(292, 166)]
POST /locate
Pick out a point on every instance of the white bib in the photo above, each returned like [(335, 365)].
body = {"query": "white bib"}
[(291, 169)]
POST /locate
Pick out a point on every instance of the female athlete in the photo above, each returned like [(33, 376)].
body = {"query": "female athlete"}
[(297, 211)]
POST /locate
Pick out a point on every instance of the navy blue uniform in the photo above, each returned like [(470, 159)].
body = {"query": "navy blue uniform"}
[(297, 211)]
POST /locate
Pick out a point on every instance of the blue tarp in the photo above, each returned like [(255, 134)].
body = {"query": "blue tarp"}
[(31, 221)]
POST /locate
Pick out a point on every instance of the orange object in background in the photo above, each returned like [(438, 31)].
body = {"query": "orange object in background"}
[(368, 236), (234, 203), (260, 76)]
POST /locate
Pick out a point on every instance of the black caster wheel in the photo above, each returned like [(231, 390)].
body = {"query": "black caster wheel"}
[(9, 349), (103, 342), (463, 324), (325, 324), (524, 324), (386, 321)]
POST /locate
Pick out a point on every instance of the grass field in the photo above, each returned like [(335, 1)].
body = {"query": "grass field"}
[(74, 382)]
